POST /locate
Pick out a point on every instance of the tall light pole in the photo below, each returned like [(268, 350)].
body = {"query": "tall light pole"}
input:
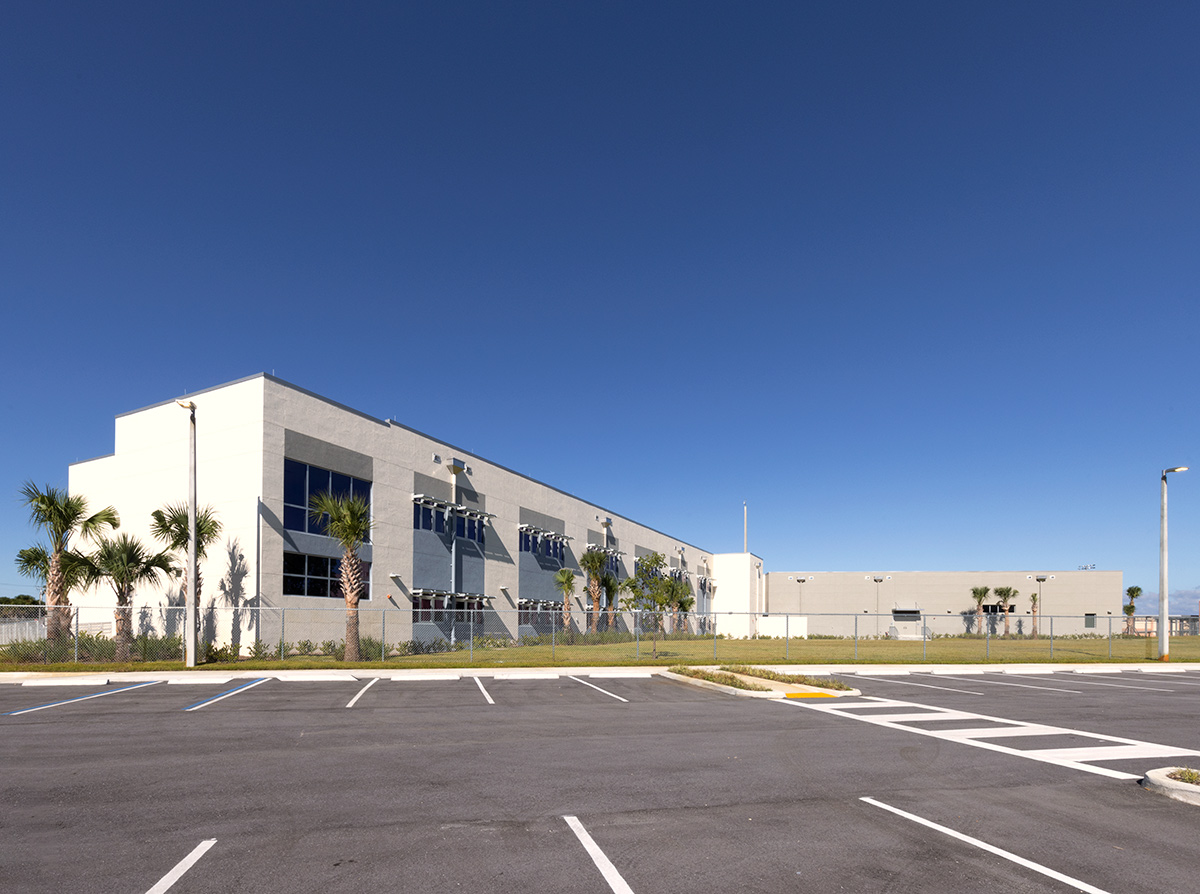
[(189, 614), (1164, 621)]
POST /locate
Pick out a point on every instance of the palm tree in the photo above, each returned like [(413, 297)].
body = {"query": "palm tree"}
[(348, 521), (979, 594), (1033, 607), (682, 600), (594, 562), (611, 587), (1132, 594), (125, 563), (564, 582), (170, 525), (1006, 595), (61, 516), (34, 561)]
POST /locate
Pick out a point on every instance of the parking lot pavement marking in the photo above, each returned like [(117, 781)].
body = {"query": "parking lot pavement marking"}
[(165, 883), (615, 882), (598, 689), (1025, 686), (1115, 685), (990, 848), (1113, 747), (374, 680), (82, 698), (223, 695), (479, 683), (925, 685)]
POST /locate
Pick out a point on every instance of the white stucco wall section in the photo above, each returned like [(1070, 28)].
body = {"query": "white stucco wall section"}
[(149, 468), (741, 593)]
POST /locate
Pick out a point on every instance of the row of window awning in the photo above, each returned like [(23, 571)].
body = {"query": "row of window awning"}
[(543, 533), (426, 593), (607, 550), (538, 605), (444, 506)]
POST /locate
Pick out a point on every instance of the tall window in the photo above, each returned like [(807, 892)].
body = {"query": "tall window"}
[(316, 576), (301, 481)]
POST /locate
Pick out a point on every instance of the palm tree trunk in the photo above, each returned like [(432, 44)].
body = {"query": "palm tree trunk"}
[(58, 618), (1006, 619), (979, 619), (1035, 611), (351, 590), (594, 617), (123, 618)]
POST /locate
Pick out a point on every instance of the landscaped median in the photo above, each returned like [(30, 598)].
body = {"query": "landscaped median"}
[(756, 682), (1180, 783)]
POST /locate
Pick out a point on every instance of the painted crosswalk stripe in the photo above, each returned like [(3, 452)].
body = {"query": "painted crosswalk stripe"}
[(908, 716)]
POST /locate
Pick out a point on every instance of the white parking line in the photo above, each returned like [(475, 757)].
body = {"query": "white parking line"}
[(1021, 685), (82, 698), (1114, 685), (926, 685), (990, 848), (615, 882), (597, 688), (225, 695), (479, 683), (165, 883), (374, 680)]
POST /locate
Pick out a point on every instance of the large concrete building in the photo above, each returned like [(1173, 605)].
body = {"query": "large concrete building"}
[(455, 535), (452, 533)]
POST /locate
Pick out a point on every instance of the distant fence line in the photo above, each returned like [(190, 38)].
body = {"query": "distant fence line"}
[(155, 633)]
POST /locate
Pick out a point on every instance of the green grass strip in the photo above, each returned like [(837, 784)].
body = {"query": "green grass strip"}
[(793, 679), (718, 677)]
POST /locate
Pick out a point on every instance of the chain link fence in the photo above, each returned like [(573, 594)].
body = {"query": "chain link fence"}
[(32, 635)]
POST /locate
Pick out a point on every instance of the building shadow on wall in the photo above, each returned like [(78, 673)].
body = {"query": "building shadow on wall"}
[(232, 590)]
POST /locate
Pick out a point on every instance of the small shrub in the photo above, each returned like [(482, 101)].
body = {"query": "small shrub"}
[(262, 650), (1186, 774), (306, 647)]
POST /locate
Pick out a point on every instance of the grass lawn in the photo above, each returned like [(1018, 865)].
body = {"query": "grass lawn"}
[(945, 650)]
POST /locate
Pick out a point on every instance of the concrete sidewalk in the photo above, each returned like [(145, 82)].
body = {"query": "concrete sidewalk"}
[(217, 677)]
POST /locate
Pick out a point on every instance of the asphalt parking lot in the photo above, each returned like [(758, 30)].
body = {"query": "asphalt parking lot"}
[(995, 782)]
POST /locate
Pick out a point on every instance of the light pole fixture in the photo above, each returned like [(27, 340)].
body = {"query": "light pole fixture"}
[(189, 612), (1164, 632)]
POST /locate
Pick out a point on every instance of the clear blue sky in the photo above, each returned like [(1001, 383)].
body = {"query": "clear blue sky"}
[(918, 281)]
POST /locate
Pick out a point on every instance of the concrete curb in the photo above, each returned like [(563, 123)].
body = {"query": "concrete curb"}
[(1158, 781)]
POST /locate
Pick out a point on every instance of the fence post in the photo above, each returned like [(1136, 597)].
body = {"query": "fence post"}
[(856, 637), (1052, 637), (1110, 636), (282, 631), (471, 631), (76, 636), (987, 639), (787, 635), (924, 640), (637, 633), (383, 635), (714, 623), (553, 626)]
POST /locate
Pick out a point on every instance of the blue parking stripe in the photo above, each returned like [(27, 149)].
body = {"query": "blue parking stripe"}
[(81, 698), (226, 694)]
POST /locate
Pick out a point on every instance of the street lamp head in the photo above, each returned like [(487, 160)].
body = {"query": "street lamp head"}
[(186, 404), (1176, 469)]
